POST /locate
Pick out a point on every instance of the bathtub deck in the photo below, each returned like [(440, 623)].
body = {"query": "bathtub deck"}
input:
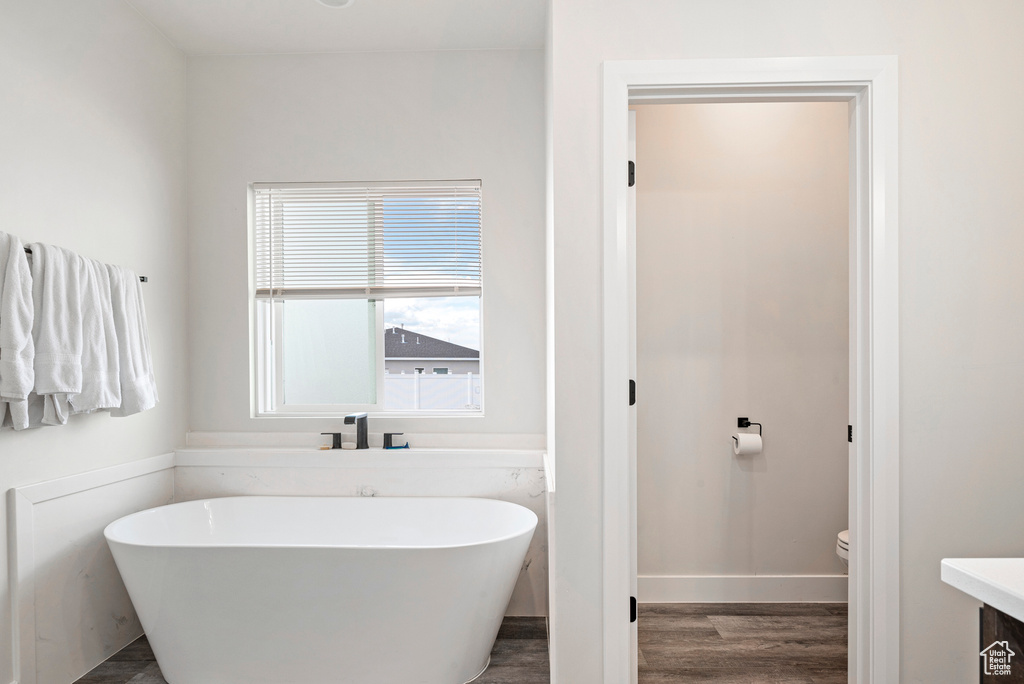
[(520, 656)]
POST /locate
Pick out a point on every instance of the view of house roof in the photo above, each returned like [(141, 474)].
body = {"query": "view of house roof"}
[(400, 343)]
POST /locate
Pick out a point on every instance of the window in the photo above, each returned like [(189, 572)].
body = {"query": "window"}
[(360, 287)]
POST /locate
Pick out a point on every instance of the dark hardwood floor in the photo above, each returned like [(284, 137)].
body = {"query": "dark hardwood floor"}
[(723, 643), (519, 656), (742, 643)]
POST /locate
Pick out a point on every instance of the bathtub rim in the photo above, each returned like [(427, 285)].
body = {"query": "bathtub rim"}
[(110, 537)]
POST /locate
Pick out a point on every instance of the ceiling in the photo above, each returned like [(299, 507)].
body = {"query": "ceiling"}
[(207, 27)]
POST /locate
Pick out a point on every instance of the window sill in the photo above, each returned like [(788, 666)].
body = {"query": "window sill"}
[(372, 414)]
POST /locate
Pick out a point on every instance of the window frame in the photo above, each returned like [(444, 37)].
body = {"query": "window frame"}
[(267, 369)]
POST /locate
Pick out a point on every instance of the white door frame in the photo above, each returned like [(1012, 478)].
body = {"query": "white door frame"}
[(869, 84)]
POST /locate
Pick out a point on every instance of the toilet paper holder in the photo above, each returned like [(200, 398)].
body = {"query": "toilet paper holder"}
[(745, 423)]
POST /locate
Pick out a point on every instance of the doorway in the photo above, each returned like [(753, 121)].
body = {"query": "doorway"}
[(868, 85), (741, 309)]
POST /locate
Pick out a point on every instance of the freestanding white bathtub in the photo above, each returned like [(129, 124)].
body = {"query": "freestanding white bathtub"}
[(309, 590)]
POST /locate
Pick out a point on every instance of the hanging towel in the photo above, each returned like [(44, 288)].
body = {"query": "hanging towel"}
[(30, 413), (138, 384), (57, 331), (16, 347), (101, 388)]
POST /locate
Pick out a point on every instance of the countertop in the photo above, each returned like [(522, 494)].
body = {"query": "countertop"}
[(999, 582)]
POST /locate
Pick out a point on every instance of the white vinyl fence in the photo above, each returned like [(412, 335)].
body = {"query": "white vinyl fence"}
[(432, 391)]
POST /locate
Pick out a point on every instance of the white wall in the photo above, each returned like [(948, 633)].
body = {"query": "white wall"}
[(92, 138), (961, 285), (371, 116), (742, 310)]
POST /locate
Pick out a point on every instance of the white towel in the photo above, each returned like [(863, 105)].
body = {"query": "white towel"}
[(30, 412), (57, 333), (138, 384), (16, 346), (101, 388)]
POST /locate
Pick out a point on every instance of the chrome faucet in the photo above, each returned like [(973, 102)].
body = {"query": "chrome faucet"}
[(359, 420)]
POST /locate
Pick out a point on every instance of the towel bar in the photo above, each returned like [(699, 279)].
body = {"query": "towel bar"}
[(142, 279)]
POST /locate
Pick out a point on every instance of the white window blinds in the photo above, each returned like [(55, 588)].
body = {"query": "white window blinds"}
[(367, 240)]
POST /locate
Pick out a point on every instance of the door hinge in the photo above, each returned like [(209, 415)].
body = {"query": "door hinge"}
[(632, 174), (632, 609), (632, 392), (849, 433)]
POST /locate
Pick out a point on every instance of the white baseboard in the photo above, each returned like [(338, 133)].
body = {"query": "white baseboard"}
[(741, 588)]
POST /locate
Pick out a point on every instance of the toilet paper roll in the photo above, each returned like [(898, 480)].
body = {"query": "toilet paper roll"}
[(744, 444)]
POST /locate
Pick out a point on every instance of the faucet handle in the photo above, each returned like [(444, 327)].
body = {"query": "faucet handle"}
[(335, 439), (387, 439)]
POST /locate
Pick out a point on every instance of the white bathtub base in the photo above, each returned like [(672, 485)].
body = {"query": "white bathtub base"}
[(480, 673)]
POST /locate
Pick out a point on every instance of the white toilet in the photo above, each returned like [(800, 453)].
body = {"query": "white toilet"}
[(843, 547)]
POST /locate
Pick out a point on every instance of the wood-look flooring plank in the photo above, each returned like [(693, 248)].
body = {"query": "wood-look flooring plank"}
[(837, 608), (738, 608), (802, 643), (736, 675), (838, 676), (802, 628), (149, 675), (683, 624), (135, 651), (523, 628), (113, 672), (520, 652), (747, 653), (682, 638), (511, 674)]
